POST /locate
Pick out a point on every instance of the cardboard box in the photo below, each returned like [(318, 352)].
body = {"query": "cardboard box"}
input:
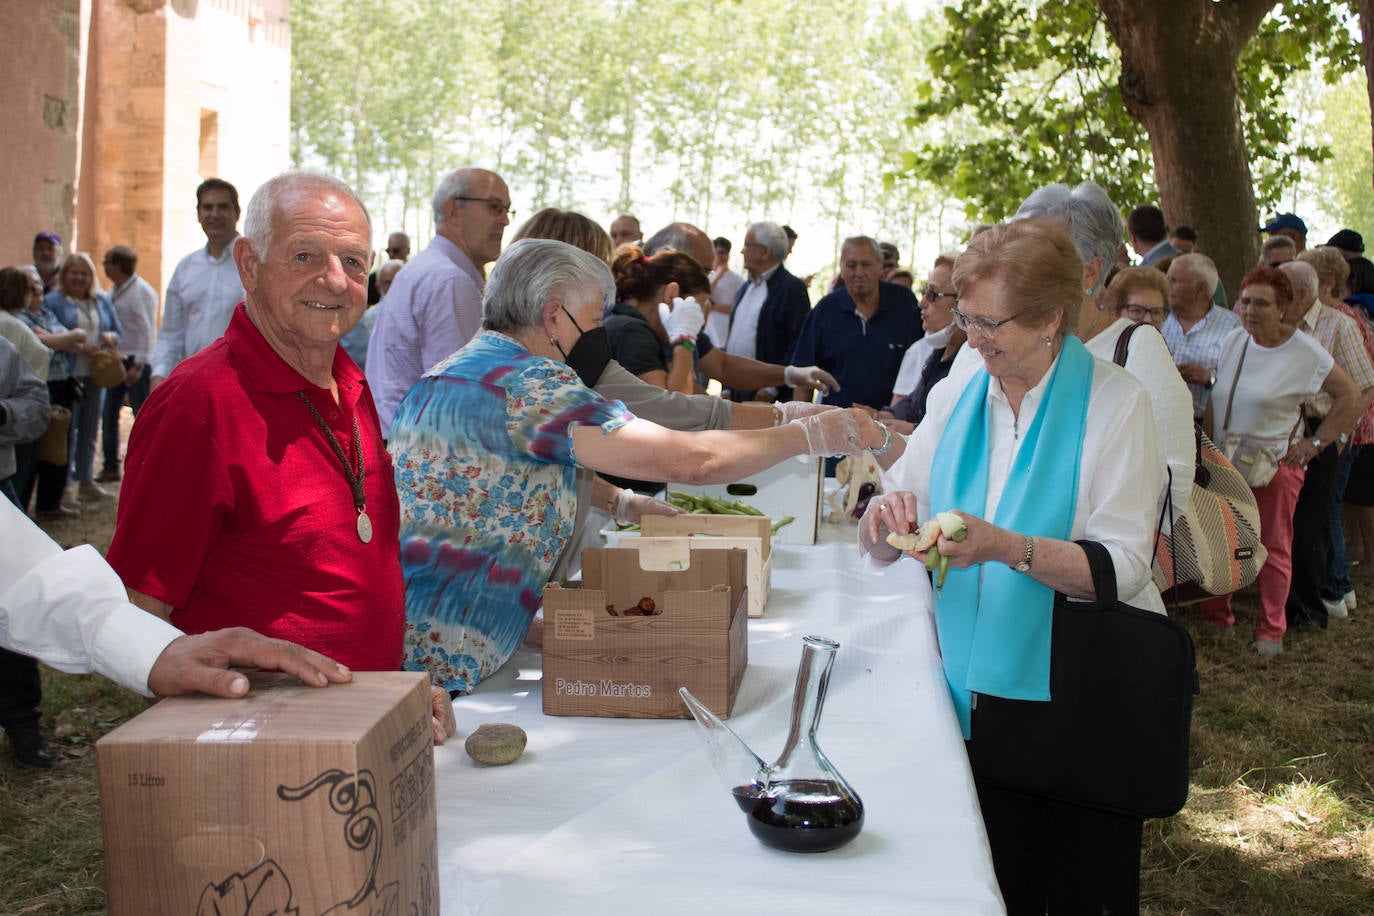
[(292, 799), (791, 487), (699, 532), (596, 664)]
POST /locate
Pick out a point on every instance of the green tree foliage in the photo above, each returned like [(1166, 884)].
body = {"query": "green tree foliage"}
[(777, 109), (1345, 179), (1028, 95)]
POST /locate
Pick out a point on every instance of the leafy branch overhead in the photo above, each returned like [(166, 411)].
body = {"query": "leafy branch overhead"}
[(1030, 93)]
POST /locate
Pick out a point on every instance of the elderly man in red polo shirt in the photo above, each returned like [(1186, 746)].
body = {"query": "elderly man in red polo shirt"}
[(257, 491)]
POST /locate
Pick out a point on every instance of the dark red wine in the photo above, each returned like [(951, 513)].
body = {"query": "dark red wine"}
[(803, 815)]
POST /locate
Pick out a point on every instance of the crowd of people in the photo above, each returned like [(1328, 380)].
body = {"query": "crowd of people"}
[(386, 466)]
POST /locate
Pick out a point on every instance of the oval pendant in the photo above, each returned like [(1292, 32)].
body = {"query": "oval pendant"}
[(364, 528)]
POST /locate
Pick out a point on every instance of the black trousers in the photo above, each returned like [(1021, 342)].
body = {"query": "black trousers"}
[(21, 689), (1312, 537), (1061, 859)]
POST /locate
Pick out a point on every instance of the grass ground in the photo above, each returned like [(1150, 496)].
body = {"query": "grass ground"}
[(1280, 819)]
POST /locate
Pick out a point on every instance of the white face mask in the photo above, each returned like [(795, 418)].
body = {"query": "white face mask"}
[(940, 339)]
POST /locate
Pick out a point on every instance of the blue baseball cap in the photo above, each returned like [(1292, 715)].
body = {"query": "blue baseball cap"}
[(1285, 221)]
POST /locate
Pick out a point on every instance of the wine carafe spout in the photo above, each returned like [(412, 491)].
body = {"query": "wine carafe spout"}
[(734, 762)]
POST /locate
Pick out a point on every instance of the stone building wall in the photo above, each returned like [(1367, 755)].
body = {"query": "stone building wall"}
[(124, 106)]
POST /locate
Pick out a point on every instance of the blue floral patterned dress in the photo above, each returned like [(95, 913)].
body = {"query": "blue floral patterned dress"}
[(485, 470)]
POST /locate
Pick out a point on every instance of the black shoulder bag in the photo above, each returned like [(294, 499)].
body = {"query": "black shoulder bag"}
[(1114, 734)]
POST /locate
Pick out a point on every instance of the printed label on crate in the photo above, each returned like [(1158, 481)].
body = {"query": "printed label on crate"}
[(605, 687), (570, 623)]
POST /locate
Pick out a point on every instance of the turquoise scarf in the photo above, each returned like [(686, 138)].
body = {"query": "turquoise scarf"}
[(994, 623)]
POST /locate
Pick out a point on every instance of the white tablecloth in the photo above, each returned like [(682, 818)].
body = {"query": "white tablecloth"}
[(610, 816)]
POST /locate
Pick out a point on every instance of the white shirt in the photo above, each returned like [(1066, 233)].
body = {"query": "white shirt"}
[(1148, 359), (1273, 383), (35, 353), (1120, 477), (725, 283), (135, 302), (744, 321), (433, 308), (914, 361), (69, 610), (200, 301)]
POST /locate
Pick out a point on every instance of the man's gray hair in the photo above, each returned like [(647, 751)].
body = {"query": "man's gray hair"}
[(1275, 242), (861, 240), (772, 237), (531, 273), (1093, 221), (1202, 269), (1302, 275), (672, 237), (457, 183), (257, 222), (391, 264)]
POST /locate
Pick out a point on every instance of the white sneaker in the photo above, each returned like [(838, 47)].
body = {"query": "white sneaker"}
[(1350, 600), (1336, 608), (1267, 649), (89, 489)]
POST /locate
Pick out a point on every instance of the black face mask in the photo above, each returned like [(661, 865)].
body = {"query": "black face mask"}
[(589, 356)]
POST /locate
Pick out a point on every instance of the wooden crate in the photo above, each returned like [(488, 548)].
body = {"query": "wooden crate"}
[(596, 664), (702, 532)]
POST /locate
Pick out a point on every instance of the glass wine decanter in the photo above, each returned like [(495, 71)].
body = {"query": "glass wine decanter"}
[(800, 802)]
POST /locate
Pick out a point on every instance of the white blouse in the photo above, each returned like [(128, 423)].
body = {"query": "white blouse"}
[(1148, 359), (1121, 474)]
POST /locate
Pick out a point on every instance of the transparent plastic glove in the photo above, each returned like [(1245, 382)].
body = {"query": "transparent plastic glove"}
[(810, 377), (795, 410), (684, 321), (834, 432), (631, 507)]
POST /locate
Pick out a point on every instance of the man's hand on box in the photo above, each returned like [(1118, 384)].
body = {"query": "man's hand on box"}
[(201, 663), (444, 723)]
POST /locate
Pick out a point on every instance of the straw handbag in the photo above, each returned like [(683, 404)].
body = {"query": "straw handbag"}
[(52, 445)]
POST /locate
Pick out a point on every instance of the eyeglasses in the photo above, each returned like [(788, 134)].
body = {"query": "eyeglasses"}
[(986, 327), (931, 294), (1140, 312), (396, 250), (1252, 303), (497, 207)]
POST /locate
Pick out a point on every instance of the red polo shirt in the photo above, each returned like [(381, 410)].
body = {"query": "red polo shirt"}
[(236, 512)]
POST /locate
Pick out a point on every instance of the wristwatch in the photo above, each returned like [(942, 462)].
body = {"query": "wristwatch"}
[(1024, 565)]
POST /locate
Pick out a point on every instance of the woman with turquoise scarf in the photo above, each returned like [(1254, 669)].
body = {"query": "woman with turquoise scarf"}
[(1044, 446)]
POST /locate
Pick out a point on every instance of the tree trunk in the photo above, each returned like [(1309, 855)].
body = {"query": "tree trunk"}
[(1178, 79), (1367, 55)]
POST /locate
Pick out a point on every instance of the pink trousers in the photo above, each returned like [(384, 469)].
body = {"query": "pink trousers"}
[(1276, 503)]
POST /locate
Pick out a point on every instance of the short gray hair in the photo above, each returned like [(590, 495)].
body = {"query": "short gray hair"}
[(1201, 267), (257, 222), (772, 237), (1274, 242), (457, 183), (855, 240), (531, 273), (1093, 221), (1303, 276), (673, 237)]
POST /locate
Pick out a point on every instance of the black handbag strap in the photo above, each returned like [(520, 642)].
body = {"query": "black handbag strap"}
[(1123, 345), (1103, 573)]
